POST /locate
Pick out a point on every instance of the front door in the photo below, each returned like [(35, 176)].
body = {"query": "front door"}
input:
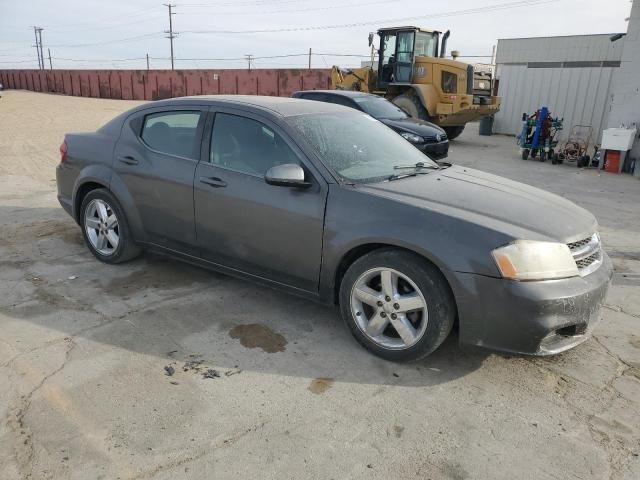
[(244, 223), (404, 57)]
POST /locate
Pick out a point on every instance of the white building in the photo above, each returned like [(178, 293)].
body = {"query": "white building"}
[(572, 76), (587, 79)]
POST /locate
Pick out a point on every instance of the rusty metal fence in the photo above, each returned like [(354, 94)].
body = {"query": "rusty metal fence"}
[(158, 84)]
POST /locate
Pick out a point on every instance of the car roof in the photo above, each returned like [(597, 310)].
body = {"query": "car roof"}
[(283, 106), (340, 93)]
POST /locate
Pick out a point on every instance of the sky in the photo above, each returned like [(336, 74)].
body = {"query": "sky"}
[(219, 33)]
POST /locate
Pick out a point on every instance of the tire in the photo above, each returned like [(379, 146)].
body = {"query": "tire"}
[(412, 106), (543, 156), (414, 281), (92, 224), (582, 161), (525, 153), (453, 132)]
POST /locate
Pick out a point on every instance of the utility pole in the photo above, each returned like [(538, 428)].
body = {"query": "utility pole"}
[(309, 58), (147, 62), (171, 33), (35, 33), (41, 51), (50, 64), (249, 57)]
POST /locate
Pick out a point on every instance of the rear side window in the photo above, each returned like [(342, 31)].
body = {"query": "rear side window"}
[(340, 100), (319, 97), (174, 133)]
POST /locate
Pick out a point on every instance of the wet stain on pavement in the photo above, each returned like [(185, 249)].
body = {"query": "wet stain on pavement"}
[(160, 273), (254, 335), (320, 385)]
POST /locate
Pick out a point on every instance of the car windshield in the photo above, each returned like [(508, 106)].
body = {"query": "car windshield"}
[(380, 108), (358, 148)]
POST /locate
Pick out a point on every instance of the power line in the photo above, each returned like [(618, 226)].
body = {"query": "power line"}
[(108, 42), (299, 10), (468, 11), (251, 3)]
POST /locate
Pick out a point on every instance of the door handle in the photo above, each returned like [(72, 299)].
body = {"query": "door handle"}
[(129, 160), (213, 181)]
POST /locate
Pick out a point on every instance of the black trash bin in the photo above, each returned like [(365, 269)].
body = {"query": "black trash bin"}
[(486, 125)]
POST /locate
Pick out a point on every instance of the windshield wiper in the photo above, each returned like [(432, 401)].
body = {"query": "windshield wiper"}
[(416, 165), (404, 175)]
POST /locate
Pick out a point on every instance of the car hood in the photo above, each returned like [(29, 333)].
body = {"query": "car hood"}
[(516, 209), (414, 125)]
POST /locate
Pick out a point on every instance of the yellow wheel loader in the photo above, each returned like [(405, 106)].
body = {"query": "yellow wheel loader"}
[(413, 73)]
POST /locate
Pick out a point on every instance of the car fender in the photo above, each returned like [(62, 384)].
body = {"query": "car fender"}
[(373, 221), (428, 95), (121, 192), (94, 173)]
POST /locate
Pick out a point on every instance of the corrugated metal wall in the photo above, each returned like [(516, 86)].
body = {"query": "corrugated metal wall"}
[(158, 84), (579, 95), (571, 75)]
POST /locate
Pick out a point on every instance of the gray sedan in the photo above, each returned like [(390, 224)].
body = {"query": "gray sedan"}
[(325, 202)]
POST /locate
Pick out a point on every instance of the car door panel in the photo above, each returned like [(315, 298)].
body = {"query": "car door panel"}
[(159, 183), (270, 231)]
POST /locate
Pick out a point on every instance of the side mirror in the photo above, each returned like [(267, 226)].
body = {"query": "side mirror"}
[(287, 175)]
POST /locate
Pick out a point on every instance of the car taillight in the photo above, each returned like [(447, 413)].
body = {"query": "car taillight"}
[(63, 152)]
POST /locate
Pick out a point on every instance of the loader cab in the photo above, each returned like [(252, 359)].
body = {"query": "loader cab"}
[(397, 52)]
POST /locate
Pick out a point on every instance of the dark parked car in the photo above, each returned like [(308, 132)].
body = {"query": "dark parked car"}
[(425, 136), (328, 203)]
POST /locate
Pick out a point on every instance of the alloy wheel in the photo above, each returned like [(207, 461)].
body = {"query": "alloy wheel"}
[(389, 308), (101, 226)]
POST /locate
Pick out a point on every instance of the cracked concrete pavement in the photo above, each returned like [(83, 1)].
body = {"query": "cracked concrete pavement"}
[(84, 393)]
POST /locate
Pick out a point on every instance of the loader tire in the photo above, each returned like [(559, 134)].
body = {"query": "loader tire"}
[(411, 105)]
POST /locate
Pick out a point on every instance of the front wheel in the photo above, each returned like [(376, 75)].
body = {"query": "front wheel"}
[(397, 305), (453, 132), (411, 105), (105, 229)]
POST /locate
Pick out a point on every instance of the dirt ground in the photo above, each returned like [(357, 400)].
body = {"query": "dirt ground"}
[(156, 369)]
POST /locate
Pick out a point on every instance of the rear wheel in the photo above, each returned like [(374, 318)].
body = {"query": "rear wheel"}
[(105, 229), (453, 132), (396, 304)]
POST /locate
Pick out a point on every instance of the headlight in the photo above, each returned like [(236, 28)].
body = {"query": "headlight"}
[(531, 260), (412, 137)]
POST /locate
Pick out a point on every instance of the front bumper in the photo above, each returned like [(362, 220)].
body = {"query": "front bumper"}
[(532, 318), (435, 151)]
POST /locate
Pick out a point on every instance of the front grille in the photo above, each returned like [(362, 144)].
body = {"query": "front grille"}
[(585, 262), (434, 139), (580, 243), (587, 253)]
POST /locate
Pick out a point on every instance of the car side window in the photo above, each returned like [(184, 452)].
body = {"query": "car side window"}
[(247, 146), (174, 133), (320, 97), (339, 100)]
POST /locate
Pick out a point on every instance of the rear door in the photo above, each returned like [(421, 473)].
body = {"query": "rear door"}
[(244, 223), (155, 160)]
